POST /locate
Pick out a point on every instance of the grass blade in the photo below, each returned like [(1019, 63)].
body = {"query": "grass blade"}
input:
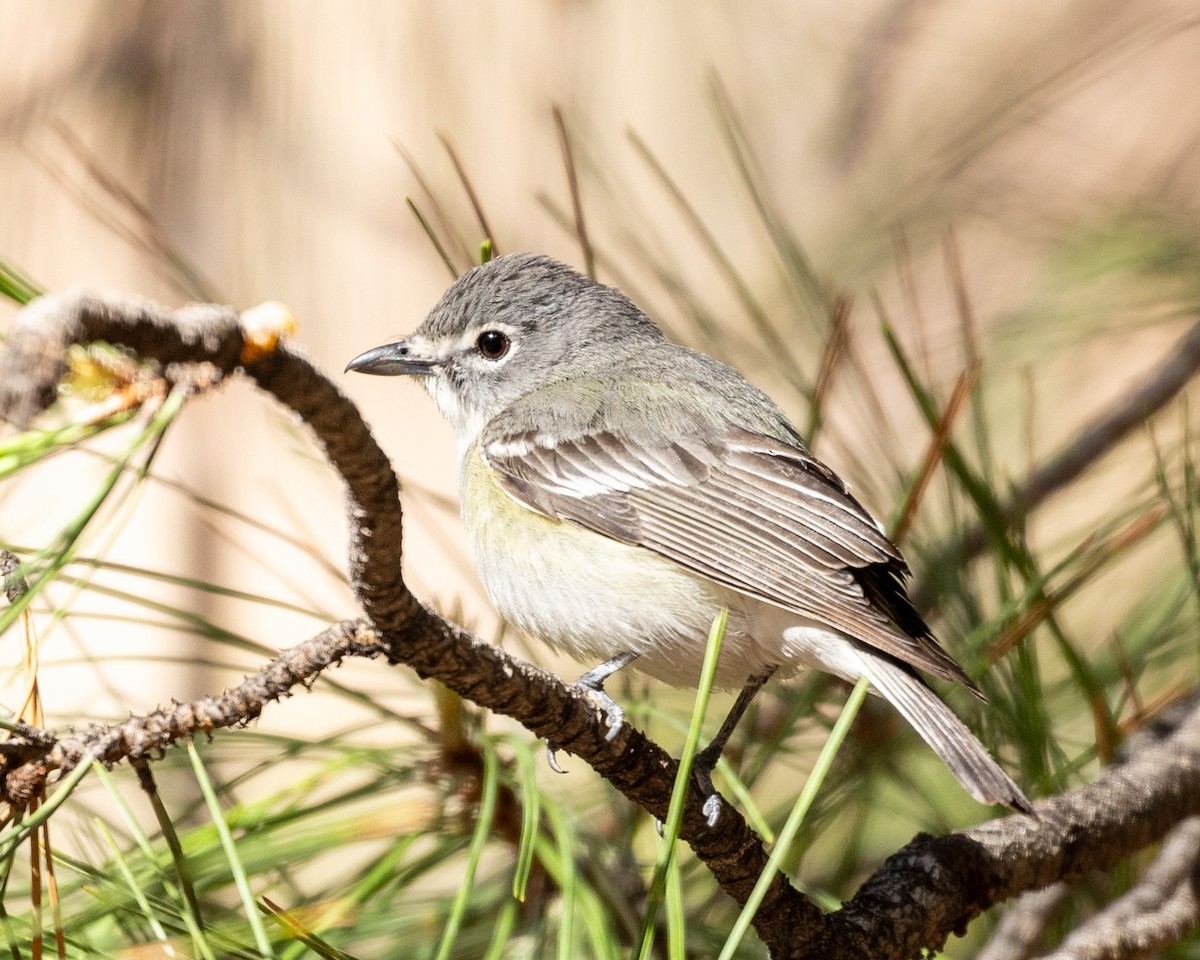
[(249, 903), (483, 830), (683, 782), (790, 828)]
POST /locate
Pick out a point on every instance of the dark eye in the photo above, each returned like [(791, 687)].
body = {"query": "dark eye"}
[(492, 344)]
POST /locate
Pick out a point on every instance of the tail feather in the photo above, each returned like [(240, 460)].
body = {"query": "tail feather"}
[(949, 737)]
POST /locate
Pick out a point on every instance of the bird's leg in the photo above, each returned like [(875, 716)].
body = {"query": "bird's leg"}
[(593, 681), (706, 759)]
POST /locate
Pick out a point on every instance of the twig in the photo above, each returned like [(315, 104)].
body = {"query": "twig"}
[(934, 451), (935, 885), (1160, 908), (146, 737), (568, 158), (469, 189), (1022, 931)]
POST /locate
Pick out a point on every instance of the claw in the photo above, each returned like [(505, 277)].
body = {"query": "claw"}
[(552, 757), (593, 682), (712, 809), (702, 768), (614, 713)]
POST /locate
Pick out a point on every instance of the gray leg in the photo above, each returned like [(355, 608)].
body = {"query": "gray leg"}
[(706, 759), (593, 681)]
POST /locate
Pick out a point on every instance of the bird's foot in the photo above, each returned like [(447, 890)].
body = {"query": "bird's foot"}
[(593, 682), (614, 713), (702, 769)]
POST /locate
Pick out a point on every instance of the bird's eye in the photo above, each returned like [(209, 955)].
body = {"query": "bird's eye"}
[(492, 344)]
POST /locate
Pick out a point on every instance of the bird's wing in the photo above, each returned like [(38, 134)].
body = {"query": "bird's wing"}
[(745, 510)]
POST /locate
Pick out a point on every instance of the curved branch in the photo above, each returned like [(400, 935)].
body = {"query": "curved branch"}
[(31, 759), (1022, 930), (936, 885), (1160, 908)]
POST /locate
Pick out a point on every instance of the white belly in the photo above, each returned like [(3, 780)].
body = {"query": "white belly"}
[(593, 597)]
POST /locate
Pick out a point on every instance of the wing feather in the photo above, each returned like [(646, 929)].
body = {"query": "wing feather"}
[(745, 510)]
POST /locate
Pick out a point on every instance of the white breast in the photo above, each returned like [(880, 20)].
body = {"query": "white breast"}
[(594, 597)]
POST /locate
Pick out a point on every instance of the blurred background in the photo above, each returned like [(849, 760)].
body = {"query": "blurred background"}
[(1014, 185)]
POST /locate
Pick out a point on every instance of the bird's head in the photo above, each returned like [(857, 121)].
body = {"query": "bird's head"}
[(507, 328)]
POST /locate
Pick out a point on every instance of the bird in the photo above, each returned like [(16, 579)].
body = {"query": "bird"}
[(620, 490)]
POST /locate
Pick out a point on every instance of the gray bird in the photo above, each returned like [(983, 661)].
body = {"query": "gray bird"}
[(619, 490)]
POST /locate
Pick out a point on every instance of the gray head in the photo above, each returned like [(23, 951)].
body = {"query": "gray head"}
[(508, 327)]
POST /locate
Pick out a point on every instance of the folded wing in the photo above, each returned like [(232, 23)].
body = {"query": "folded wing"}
[(745, 510)]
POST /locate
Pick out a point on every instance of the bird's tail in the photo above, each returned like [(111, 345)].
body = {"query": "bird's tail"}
[(949, 737)]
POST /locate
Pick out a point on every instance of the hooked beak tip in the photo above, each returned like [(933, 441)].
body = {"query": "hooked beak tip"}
[(390, 360)]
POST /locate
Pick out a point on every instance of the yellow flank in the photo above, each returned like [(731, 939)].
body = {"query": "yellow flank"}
[(582, 592)]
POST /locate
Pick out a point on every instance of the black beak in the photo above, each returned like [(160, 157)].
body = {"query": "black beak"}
[(391, 360)]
